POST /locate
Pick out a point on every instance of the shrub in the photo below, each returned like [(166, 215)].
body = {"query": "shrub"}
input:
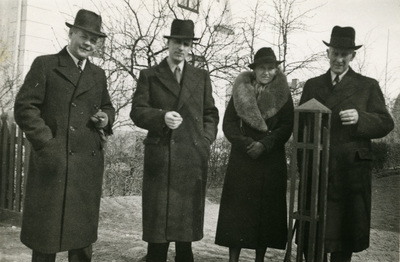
[(218, 162), (123, 164), (386, 154)]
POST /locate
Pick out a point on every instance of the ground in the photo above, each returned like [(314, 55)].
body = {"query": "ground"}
[(120, 231)]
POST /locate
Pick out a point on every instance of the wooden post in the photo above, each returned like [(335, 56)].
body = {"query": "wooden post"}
[(14, 159), (5, 131), (311, 143)]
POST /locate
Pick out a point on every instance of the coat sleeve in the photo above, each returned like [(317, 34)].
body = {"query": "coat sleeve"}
[(210, 112), (107, 107), (28, 103), (232, 130), (375, 121), (281, 134), (143, 114)]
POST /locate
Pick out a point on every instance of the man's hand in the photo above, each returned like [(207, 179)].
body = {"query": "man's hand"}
[(173, 119), (255, 149), (349, 117), (100, 119)]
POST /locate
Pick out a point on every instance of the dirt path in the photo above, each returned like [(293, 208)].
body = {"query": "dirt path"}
[(120, 232)]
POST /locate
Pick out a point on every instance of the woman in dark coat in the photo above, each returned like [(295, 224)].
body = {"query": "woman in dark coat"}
[(258, 122)]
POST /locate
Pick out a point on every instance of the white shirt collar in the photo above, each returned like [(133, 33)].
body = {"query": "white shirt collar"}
[(333, 75), (172, 66), (76, 59)]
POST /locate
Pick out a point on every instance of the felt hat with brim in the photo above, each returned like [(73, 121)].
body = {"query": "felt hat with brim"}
[(182, 29), (343, 38), (264, 55), (88, 21)]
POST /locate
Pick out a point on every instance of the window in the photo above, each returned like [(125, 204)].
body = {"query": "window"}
[(191, 5)]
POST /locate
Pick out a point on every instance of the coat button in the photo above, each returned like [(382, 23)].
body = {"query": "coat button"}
[(73, 104), (72, 128), (71, 152), (93, 153)]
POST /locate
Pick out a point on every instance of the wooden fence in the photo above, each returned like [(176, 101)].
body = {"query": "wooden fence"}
[(14, 159)]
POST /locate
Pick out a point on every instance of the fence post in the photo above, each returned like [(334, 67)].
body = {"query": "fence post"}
[(14, 159), (4, 159)]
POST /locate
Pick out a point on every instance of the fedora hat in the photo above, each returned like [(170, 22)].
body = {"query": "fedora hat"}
[(343, 37), (182, 29), (88, 21), (264, 55)]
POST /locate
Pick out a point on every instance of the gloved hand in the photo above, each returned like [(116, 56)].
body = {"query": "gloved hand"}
[(100, 119), (255, 149)]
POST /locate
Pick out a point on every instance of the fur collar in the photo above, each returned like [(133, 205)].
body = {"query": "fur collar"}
[(254, 111)]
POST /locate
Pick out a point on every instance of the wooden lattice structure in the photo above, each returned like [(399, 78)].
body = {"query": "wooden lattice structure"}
[(310, 160)]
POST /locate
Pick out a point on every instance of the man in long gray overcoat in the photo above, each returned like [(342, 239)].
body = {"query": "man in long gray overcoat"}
[(65, 111), (359, 114), (174, 102)]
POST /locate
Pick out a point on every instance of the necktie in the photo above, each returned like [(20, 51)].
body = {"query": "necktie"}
[(177, 74), (80, 63), (335, 81)]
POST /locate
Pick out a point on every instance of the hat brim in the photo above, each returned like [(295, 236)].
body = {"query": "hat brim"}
[(253, 65), (100, 34), (180, 37), (343, 47)]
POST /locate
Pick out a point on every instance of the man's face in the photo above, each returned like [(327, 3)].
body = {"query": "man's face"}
[(265, 72), (339, 59), (82, 44), (179, 49)]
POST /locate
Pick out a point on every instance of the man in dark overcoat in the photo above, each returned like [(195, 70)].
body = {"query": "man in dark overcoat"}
[(65, 111), (359, 114), (174, 102)]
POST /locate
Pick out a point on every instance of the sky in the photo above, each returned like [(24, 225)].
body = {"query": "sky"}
[(377, 26)]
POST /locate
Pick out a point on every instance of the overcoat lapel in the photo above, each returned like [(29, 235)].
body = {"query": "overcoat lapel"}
[(189, 83), (164, 74), (344, 89), (67, 67), (82, 81), (88, 79)]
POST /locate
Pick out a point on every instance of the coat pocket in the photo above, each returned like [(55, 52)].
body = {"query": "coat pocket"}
[(364, 154)]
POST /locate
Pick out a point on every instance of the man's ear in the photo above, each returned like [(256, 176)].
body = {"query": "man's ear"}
[(327, 52), (353, 55)]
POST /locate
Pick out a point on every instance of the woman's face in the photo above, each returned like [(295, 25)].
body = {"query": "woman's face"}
[(265, 72)]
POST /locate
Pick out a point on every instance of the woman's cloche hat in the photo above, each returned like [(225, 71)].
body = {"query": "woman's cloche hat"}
[(182, 29), (88, 21), (343, 37), (264, 55)]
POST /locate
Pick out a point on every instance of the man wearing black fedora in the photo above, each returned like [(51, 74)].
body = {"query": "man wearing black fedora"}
[(174, 102), (64, 108), (359, 114)]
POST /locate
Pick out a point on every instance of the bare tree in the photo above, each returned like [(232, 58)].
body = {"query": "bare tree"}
[(8, 80), (135, 41)]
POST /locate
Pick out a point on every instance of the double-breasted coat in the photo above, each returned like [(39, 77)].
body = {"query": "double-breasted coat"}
[(349, 179), (253, 203), (63, 189), (175, 161)]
